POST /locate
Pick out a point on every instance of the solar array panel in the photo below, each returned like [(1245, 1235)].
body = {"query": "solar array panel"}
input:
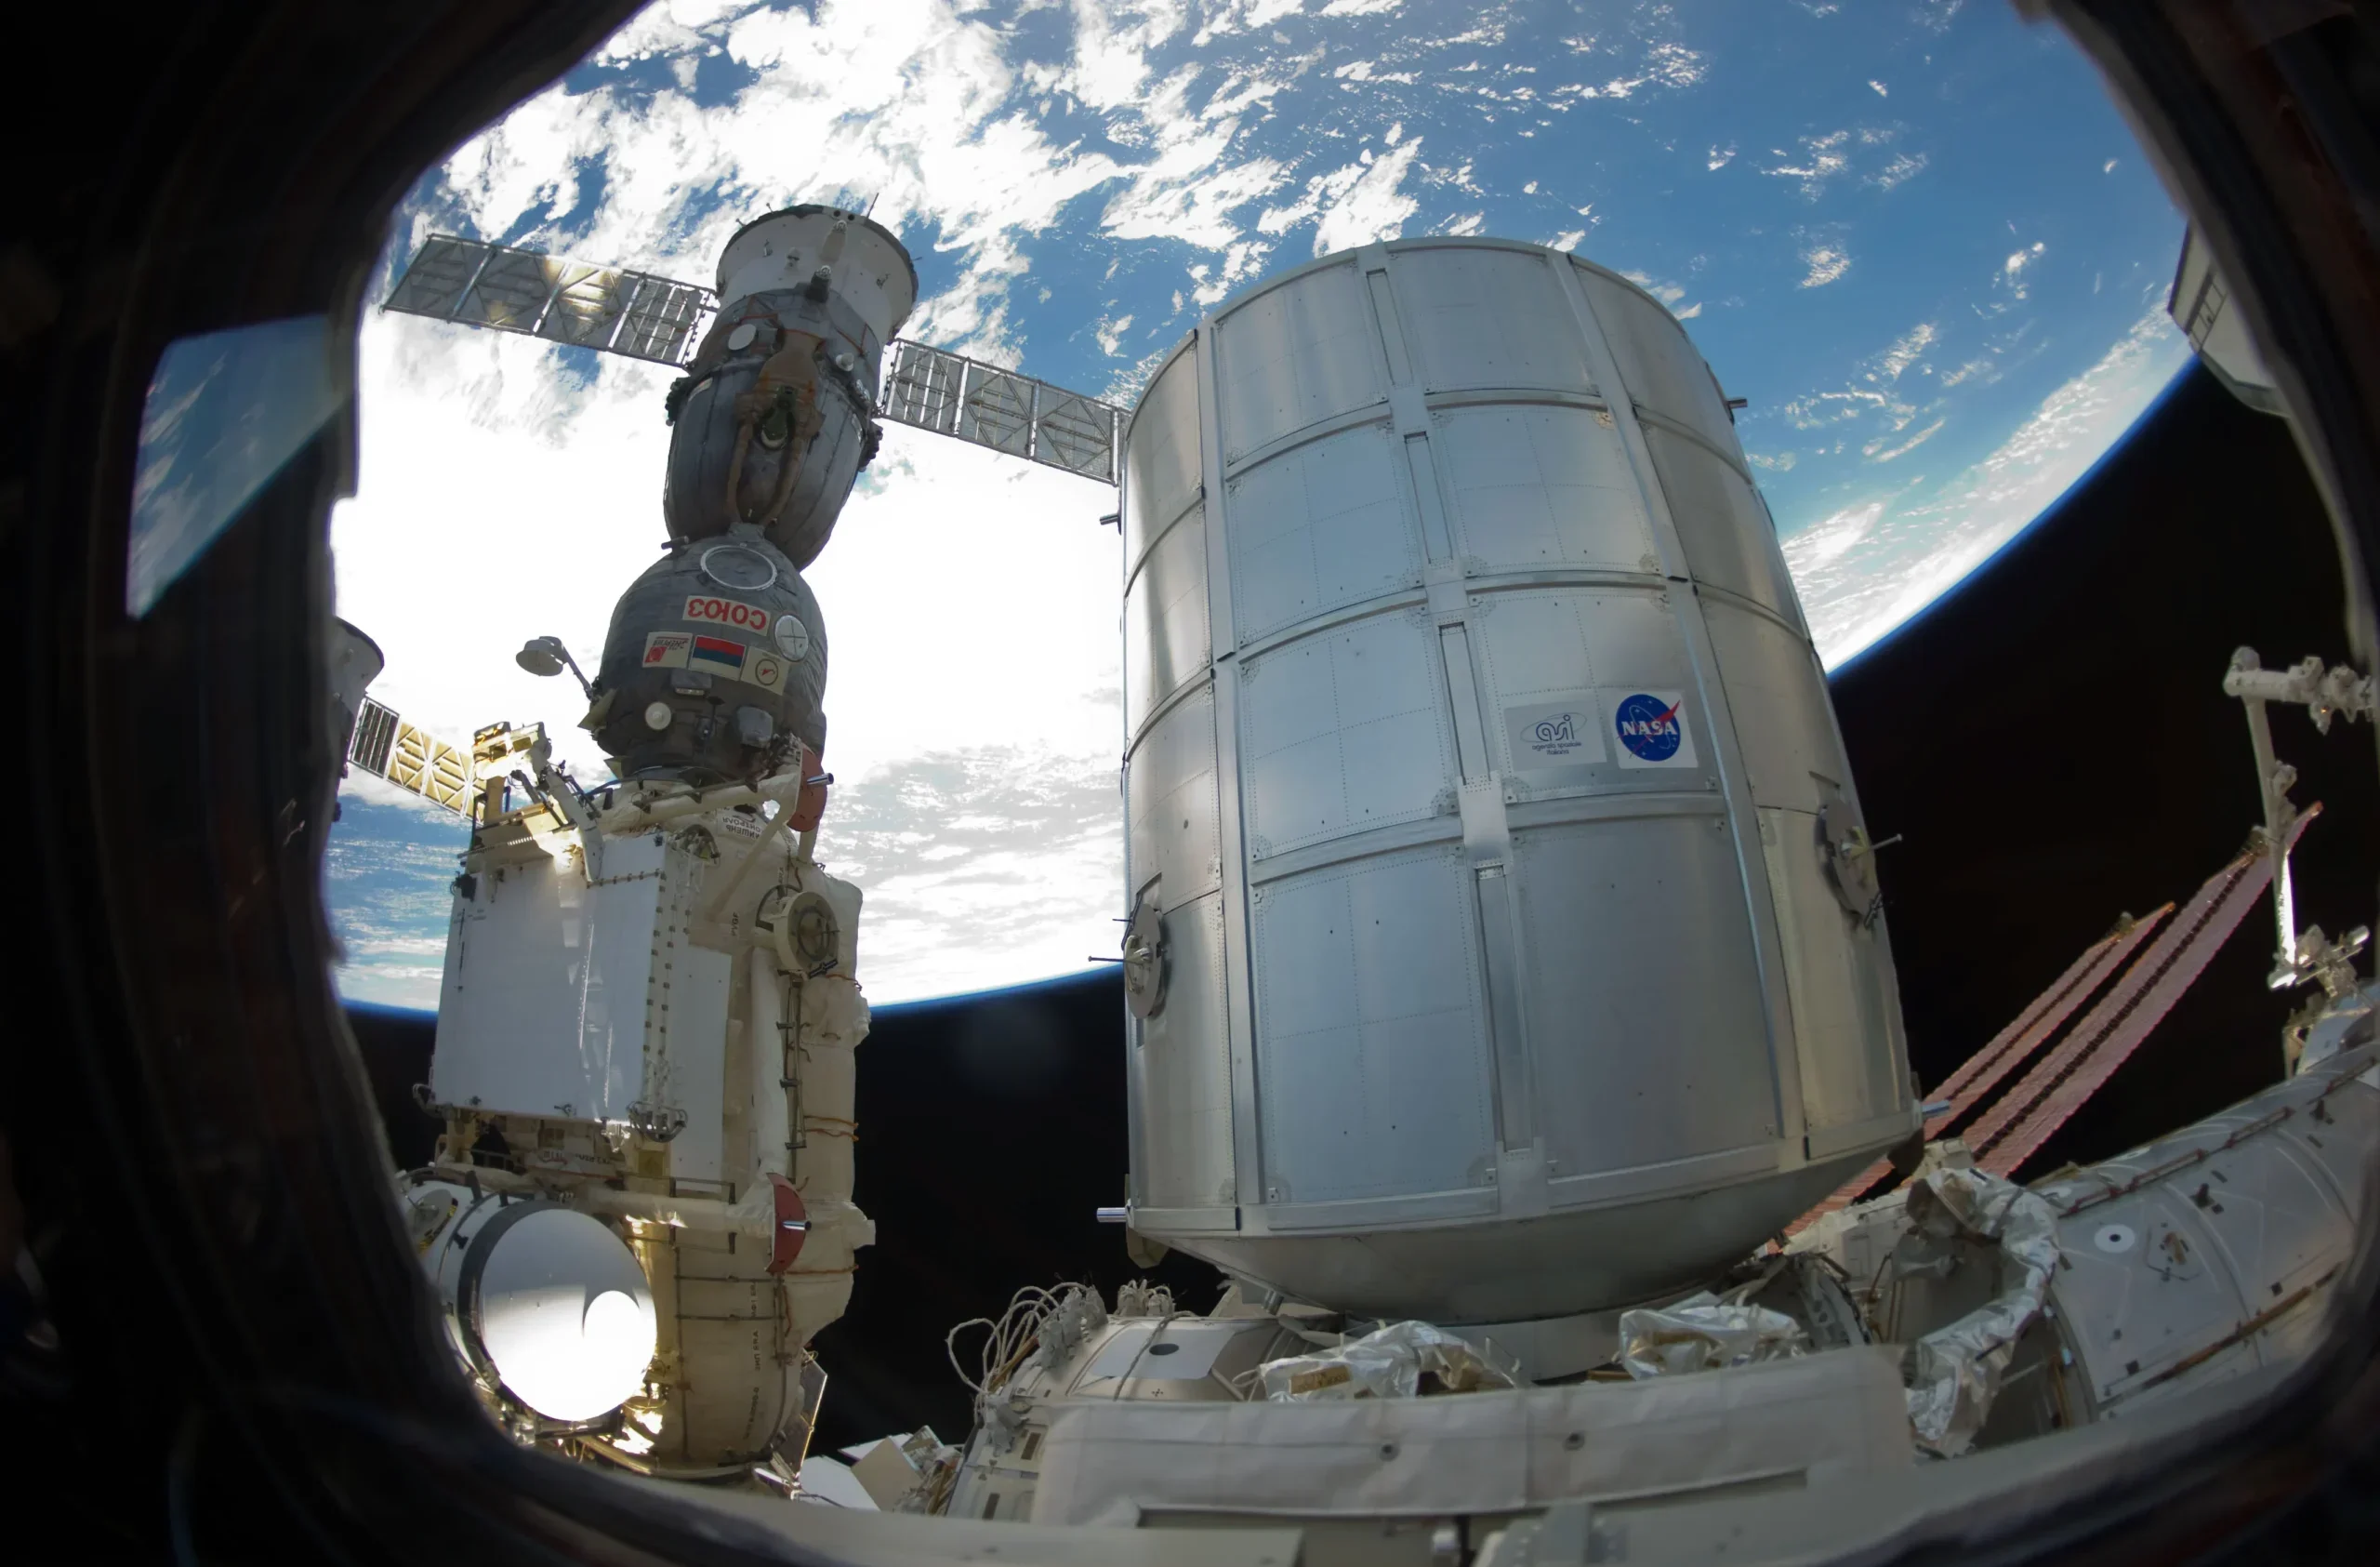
[(612, 308), (2006, 1050), (950, 394), (387, 746), (2013, 1128)]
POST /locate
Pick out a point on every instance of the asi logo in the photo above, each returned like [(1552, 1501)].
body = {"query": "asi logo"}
[(1649, 727)]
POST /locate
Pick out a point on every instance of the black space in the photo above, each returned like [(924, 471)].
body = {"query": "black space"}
[(2052, 741)]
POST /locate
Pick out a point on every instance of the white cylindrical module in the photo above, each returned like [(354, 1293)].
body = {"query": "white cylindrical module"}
[(1520, 951)]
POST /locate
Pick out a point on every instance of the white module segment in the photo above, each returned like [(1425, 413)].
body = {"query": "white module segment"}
[(588, 1001), (1521, 951), (868, 268)]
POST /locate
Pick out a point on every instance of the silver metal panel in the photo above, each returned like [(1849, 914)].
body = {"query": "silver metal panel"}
[(1162, 466), (1371, 1050), (1644, 1003), (1173, 805), (1780, 707), (1317, 527), (2200, 305), (1183, 1067), (1725, 532), (1165, 619), (2228, 1230), (1343, 731), (2342, 1141), (1538, 485), (1239, 998), (1655, 360), (1720, 727), (1612, 1252), (2140, 1289), (544, 1007), (1835, 979), (1553, 662), (502, 287), (1484, 317), (2276, 1221), (695, 1052), (1293, 355)]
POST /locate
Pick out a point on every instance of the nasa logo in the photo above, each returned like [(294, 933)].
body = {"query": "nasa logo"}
[(1648, 727), (727, 612)]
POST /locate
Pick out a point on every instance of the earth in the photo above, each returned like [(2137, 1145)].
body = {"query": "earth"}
[(1918, 238)]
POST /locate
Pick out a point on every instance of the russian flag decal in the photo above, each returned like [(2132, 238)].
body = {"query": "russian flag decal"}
[(716, 653)]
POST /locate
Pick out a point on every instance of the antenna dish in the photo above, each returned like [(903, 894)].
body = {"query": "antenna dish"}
[(542, 655)]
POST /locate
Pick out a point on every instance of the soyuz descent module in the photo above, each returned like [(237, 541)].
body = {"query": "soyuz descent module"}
[(1504, 958)]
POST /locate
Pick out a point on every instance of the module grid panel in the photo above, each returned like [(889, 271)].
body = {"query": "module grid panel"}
[(950, 394)]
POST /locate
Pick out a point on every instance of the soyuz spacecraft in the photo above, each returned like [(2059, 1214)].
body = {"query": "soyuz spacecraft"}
[(1511, 1005)]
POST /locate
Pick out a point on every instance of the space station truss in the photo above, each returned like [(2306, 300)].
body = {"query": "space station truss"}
[(476, 284), (950, 394), (387, 746)]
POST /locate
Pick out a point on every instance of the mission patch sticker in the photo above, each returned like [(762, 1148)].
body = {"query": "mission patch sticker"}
[(718, 656), (1554, 734), (667, 650), (1650, 727), (764, 669)]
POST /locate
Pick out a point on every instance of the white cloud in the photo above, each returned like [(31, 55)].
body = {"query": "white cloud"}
[(1906, 351), (1879, 86), (1110, 50), (1831, 537), (1816, 162), (1110, 334), (1904, 167), (1820, 159), (2108, 168), (1669, 294), (2012, 273), (1567, 239), (1720, 158), (1878, 451), (1826, 263), (1353, 205)]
